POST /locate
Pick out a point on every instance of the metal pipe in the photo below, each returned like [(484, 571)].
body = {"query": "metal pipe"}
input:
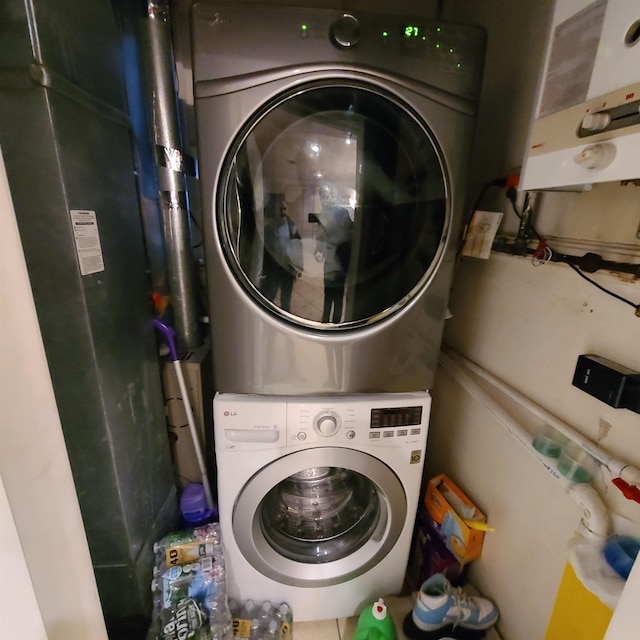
[(171, 166)]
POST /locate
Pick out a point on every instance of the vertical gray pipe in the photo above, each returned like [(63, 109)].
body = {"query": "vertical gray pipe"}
[(171, 167)]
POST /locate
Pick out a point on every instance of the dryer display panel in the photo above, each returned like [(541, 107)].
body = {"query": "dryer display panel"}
[(333, 209)]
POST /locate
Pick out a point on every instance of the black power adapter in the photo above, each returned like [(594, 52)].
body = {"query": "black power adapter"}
[(609, 382)]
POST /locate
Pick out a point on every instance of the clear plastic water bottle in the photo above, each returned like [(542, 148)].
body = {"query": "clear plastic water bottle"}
[(256, 630), (267, 613), (284, 616), (181, 547), (234, 607), (284, 613), (248, 611), (272, 630)]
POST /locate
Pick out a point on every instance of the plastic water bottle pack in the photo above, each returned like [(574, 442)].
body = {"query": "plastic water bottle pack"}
[(264, 621), (189, 587)]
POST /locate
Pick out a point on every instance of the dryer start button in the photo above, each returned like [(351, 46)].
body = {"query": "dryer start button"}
[(327, 423), (345, 31)]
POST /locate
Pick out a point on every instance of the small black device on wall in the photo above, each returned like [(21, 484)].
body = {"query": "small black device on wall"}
[(608, 381)]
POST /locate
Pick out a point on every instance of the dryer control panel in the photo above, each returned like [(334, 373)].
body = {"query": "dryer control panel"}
[(226, 36), (251, 422)]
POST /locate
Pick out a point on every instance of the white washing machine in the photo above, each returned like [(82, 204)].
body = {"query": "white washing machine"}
[(333, 151), (318, 496)]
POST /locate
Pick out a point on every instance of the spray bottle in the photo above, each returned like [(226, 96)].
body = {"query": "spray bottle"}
[(375, 623)]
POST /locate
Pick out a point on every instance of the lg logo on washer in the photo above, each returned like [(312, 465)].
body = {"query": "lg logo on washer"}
[(230, 413)]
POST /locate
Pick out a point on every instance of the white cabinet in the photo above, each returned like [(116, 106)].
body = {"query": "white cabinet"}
[(586, 127)]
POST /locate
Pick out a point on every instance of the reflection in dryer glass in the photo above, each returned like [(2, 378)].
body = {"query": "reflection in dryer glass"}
[(335, 206), (320, 514)]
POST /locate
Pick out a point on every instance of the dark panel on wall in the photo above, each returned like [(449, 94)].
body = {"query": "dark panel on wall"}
[(67, 146)]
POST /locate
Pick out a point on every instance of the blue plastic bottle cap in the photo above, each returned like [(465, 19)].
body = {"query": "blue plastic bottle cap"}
[(620, 553)]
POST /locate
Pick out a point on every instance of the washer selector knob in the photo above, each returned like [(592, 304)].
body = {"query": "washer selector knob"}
[(327, 423), (345, 31)]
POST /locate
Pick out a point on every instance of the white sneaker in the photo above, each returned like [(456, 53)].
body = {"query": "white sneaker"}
[(440, 604)]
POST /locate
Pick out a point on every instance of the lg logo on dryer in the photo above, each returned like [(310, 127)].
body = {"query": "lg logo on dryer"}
[(416, 456), (230, 413)]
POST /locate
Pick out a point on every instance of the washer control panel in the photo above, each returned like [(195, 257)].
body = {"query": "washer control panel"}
[(254, 422), (387, 419)]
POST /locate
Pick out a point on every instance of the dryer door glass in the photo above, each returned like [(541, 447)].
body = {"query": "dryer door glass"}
[(333, 208)]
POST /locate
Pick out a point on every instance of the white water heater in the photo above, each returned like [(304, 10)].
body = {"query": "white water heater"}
[(586, 127)]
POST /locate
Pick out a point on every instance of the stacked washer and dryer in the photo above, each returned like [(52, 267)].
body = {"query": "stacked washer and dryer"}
[(333, 156)]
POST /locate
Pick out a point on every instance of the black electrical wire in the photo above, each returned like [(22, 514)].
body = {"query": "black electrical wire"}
[(195, 223), (530, 226), (595, 284)]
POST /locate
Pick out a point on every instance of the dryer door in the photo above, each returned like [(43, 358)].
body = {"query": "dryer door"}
[(333, 209), (320, 516)]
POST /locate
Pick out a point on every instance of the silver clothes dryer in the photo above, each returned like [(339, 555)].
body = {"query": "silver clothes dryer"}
[(333, 155)]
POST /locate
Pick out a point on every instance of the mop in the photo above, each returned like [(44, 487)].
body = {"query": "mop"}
[(169, 337)]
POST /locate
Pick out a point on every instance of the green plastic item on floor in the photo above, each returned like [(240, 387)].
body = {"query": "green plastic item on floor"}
[(375, 623)]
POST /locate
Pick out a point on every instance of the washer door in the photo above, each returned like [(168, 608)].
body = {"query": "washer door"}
[(332, 209), (319, 517)]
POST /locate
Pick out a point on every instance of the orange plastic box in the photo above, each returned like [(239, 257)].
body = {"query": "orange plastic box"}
[(450, 510)]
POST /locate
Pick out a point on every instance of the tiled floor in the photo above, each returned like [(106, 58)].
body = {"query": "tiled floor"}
[(344, 628)]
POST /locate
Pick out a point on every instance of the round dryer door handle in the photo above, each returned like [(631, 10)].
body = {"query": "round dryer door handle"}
[(345, 31)]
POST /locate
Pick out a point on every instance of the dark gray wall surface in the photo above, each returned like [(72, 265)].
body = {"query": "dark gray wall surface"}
[(67, 145)]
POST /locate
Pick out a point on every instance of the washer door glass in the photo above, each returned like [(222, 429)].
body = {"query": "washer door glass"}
[(337, 515), (333, 208), (320, 514)]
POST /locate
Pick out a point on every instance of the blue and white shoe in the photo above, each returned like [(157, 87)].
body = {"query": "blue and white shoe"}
[(439, 604)]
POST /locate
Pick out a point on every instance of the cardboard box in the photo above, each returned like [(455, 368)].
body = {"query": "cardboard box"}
[(429, 555), (453, 515), (198, 378)]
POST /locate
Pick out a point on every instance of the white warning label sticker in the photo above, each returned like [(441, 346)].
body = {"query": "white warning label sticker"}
[(87, 237)]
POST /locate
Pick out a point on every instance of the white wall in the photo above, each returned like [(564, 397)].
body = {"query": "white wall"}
[(527, 325), (48, 588)]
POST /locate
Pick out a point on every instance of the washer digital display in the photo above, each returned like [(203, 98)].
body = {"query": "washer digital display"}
[(396, 417)]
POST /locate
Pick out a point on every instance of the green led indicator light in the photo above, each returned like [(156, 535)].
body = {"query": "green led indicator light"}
[(424, 38), (458, 65), (385, 34), (438, 46), (438, 29), (450, 50), (304, 27)]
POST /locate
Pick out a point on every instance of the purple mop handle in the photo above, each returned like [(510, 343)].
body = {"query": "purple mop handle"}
[(168, 334)]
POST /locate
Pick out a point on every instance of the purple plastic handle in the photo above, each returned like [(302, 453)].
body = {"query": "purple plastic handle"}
[(168, 334)]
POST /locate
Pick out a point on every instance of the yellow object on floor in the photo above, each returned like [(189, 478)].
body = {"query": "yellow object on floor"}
[(577, 613)]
